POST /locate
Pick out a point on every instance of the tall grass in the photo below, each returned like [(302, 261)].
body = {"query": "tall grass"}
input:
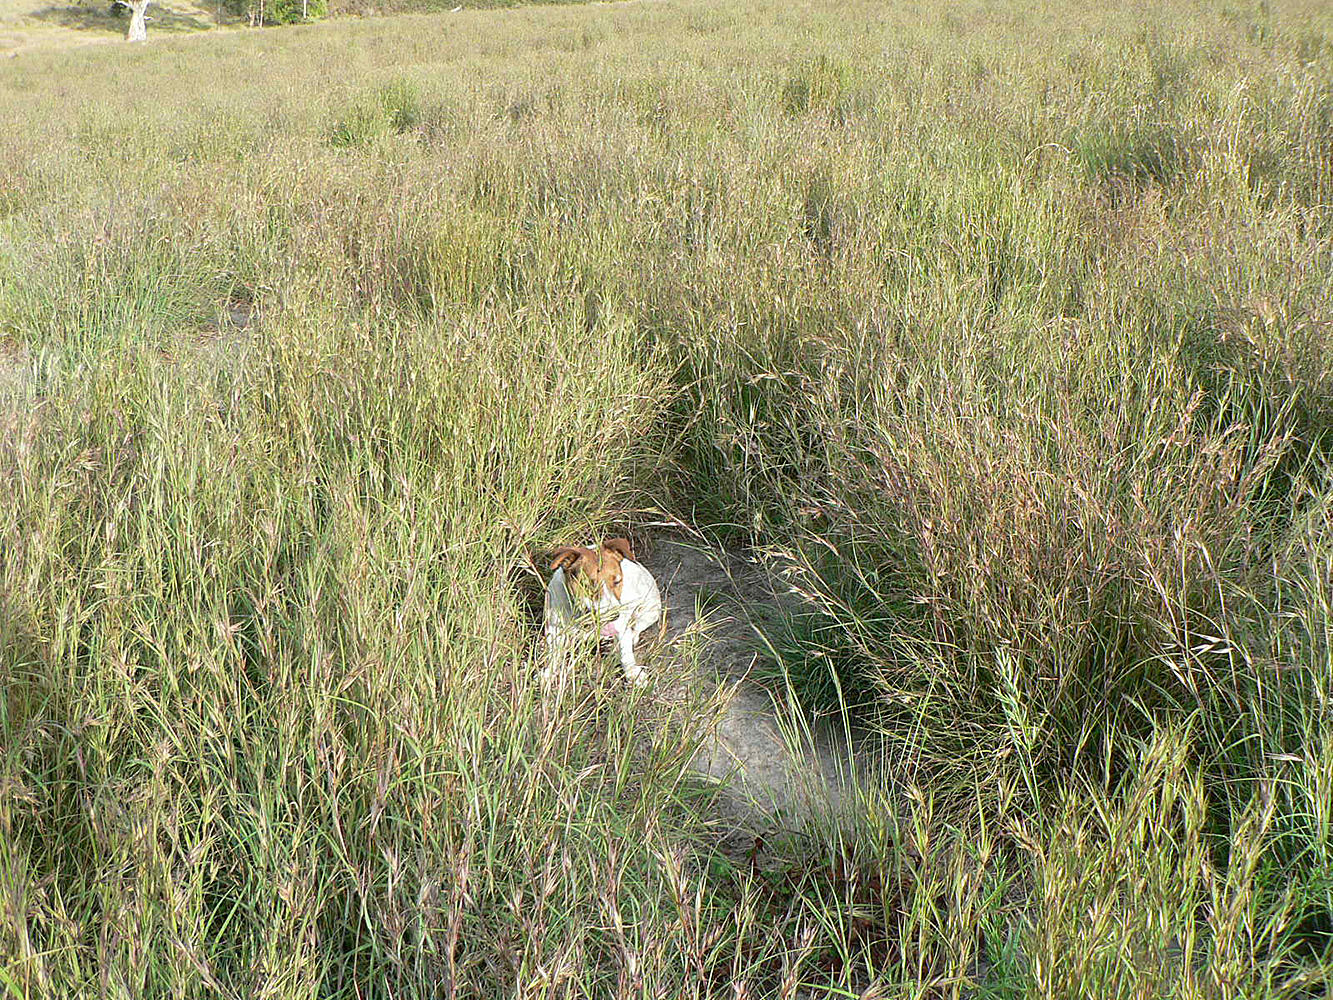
[(1003, 337)]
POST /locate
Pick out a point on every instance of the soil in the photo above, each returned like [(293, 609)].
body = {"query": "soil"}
[(784, 771)]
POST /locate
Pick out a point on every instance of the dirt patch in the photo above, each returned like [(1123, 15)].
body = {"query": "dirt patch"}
[(781, 770)]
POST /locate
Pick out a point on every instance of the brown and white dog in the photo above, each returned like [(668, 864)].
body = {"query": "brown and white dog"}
[(608, 585)]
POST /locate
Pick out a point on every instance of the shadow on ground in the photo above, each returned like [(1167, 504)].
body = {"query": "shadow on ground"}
[(101, 17)]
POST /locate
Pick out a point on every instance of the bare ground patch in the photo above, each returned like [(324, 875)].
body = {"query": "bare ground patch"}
[(782, 770)]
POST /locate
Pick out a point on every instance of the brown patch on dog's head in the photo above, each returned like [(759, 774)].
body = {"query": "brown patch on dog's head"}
[(594, 569), (620, 545), (570, 556)]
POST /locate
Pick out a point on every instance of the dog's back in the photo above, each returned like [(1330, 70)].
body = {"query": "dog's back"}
[(641, 595)]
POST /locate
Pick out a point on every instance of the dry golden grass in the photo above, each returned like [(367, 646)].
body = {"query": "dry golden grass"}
[(1003, 334)]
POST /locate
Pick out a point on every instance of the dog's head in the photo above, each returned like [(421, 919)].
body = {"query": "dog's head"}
[(595, 575)]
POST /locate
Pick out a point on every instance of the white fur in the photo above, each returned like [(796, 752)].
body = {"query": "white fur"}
[(639, 607)]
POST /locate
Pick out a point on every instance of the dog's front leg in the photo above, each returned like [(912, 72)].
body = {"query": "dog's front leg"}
[(633, 672)]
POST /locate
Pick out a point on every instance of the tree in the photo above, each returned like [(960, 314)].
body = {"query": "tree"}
[(138, 31), (262, 12)]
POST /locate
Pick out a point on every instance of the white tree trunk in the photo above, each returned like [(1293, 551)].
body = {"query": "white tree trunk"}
[(138, 21)]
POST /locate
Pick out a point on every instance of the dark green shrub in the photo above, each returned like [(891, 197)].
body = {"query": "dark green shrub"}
[(261, 12)]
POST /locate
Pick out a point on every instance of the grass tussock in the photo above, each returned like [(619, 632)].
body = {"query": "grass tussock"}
[(391, 109), (1003, 337)]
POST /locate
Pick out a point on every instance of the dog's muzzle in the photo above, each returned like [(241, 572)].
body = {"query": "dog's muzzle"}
[(560, 613)]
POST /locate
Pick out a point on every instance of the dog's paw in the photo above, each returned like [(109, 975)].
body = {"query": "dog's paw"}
[(637, 676)]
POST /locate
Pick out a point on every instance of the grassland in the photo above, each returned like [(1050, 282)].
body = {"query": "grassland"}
[(1002, 335)]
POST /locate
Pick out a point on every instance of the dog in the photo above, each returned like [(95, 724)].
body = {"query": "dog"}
[(608, 585)]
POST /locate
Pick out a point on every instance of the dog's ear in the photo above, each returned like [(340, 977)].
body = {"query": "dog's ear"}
[(620, 546), (568, 555)]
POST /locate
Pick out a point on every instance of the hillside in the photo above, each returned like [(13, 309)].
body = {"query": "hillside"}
[(29, 26), (964, 370), (44, 25)]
